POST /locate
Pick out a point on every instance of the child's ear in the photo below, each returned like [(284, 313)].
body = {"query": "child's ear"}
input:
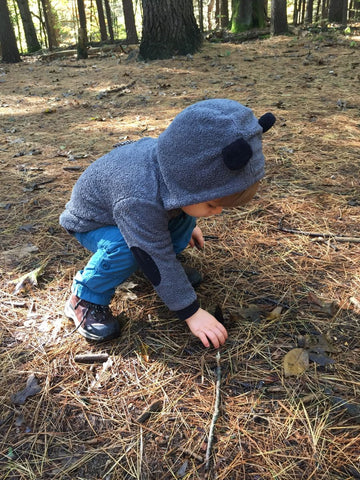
[(237, 154), (266, 121)]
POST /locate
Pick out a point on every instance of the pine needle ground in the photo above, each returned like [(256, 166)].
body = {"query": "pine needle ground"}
[(275, 290)]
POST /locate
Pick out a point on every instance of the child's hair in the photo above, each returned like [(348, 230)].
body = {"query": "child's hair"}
[(240, 198)]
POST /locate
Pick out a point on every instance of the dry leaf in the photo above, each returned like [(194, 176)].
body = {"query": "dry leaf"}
[(296, 362), (251, 313), (32, 388), (274, 314), (326, 306), (182, 470), (30, 278), (352, 409), (320, 358)]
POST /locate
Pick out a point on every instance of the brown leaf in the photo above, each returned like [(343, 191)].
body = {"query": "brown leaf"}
[(296, 362), (30, 278), (275, 314), (326, 306), (251, 313)]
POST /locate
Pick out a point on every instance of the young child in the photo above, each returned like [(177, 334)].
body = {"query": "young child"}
[(136, 207)]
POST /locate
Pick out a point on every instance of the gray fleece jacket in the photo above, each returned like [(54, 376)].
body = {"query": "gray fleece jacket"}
[(211, 149)]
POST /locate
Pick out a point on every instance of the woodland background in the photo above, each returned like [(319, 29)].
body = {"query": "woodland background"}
[(165, 28)]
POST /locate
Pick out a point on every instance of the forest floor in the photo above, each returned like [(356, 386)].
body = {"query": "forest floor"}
[(279, 271)]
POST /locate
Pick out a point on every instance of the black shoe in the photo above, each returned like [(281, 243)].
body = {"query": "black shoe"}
[(94, 322)]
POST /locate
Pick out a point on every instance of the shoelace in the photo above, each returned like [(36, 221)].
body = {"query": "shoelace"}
[(82, 320), (95, 308)]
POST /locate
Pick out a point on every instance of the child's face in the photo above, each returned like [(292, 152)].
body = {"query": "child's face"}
[(204, 209)]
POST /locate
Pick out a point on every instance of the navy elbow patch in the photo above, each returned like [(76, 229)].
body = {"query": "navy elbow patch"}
[(147, 265)]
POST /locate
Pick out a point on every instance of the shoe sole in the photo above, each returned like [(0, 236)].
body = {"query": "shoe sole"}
[(69, 312)]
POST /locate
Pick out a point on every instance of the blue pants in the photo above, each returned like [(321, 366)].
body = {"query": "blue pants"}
[(113, 262)]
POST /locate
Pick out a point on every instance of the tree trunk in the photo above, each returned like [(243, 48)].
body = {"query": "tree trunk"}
[(224, 13), (278, 22), (82, 34), (210, 8), (101, 17), (338, 11), (50, 21), (295, 13), (131, 34), (32, 42), (109, 20), (247, 14), (169, 28), (15, 21), (309, 11), (10, 51), (201, 14)]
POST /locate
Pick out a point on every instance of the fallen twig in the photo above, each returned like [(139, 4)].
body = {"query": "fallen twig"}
[(216, 411), (331, 236), (91, 358), (191, 453)]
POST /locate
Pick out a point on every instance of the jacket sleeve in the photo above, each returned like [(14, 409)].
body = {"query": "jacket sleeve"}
[(144, 226)]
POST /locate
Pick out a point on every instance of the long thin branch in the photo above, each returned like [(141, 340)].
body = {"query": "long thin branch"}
[(331, 236), (216, 412)]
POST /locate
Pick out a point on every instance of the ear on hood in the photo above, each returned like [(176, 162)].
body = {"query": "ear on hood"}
[(238, 153)]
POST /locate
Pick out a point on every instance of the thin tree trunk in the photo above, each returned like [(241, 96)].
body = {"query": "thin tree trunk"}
[(303, 12), (32, 42), (82, 34), (17, 23), (101, 17), (209, 13), (109, 20), (49, 18), (201, 14), (224, 13), (295, 13), (131, 34)]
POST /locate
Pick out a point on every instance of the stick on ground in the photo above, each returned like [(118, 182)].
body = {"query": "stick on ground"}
[(216, 412)]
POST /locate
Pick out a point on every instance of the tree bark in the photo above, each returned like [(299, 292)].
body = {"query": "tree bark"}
[(338, 11), (82, 33), (169, 28), (101, 17), (50, 20), (32, 41), (224, 13), (109, 20), (278, 22), (247, 14), (9, 49), (131, 34), (201, 14), (309, 11)]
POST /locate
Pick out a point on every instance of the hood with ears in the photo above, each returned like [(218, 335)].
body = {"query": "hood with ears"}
[(211, 149)]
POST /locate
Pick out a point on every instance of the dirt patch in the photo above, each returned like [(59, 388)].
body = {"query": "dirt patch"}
[(58, 117)]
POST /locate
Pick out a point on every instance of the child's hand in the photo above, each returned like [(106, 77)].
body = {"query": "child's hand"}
[(206, 327), (197, 239)]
